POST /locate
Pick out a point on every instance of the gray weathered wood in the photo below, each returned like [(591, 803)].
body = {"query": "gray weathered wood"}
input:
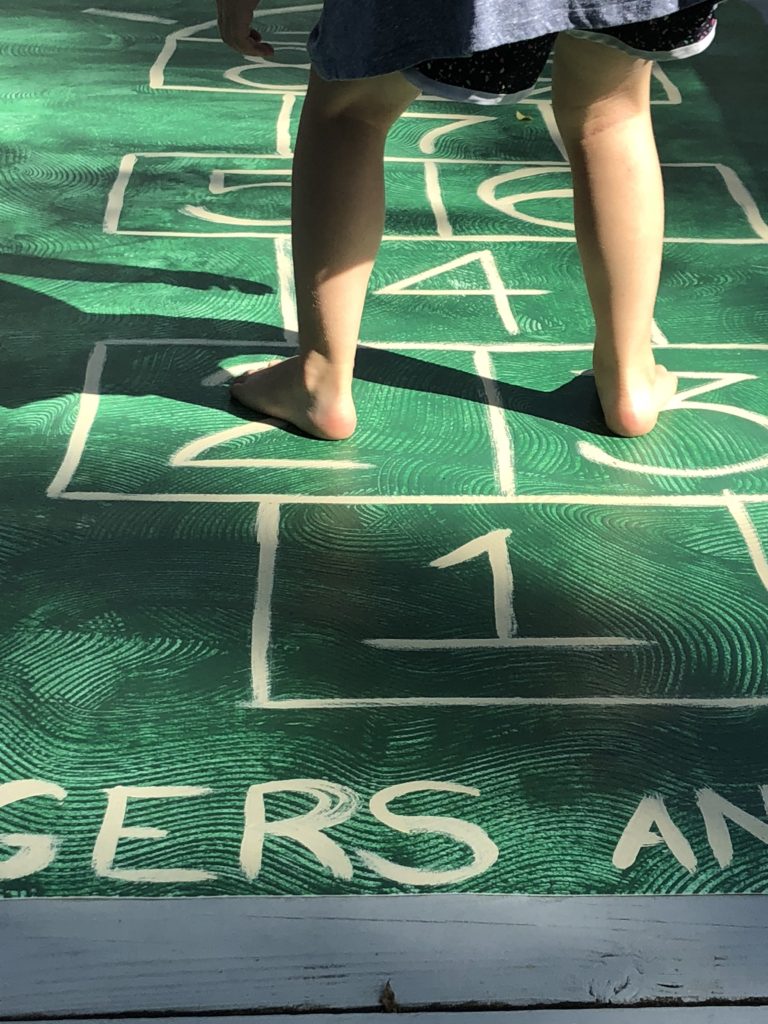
[(110, 956), (699, 1015)]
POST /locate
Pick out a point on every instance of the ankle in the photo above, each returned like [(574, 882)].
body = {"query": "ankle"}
[(320, 372), (624, 367)]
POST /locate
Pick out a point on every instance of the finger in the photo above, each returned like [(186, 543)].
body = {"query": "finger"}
[(251, 45), (235, 27)]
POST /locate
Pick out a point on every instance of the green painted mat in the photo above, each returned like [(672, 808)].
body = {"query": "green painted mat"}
[(481, 646)]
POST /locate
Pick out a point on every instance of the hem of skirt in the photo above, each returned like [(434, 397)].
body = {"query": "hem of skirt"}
[(679, 53), (460, 94), (331, 69)]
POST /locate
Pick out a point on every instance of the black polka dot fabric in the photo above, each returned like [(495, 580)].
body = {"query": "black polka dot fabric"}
[(510, 72)]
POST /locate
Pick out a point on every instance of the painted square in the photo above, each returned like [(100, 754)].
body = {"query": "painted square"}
[(544, 605), (188, 440), (533, 200), (711, 440)]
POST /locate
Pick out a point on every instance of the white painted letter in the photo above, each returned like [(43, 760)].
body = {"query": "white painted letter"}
[(484, 850), (113, 830), (35, 851), (715, 809), (652, 811), (334, 805)]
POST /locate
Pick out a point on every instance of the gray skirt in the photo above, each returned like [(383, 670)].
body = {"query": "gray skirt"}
[(361, 38)]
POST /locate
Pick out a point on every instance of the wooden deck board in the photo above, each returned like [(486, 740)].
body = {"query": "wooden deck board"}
[(698, 1015), (70, 957)]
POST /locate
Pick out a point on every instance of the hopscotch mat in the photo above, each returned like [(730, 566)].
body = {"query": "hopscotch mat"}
[(482, 646)]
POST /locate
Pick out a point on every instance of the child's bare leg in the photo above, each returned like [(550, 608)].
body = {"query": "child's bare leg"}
[(602, 105), (338, 219)]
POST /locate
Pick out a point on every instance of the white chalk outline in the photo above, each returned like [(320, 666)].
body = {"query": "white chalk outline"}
[(300, 704), (287, 288), (89, 403), (172, 40), (283, 127), (217, 187), (495, 546), (267, 538), (427, 143), (431, 168), (736, 506), (435, 198), (187, 35), (682, 400), (189, 454), (88, 406), (129, 16), (496, 287), (498, 427)]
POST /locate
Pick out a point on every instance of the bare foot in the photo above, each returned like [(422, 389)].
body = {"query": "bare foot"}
[(317, 403), (632, 403)]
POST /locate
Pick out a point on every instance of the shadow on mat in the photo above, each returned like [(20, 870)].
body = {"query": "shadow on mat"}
[(46, 344)]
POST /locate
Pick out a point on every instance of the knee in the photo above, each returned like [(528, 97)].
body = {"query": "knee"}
[(581, 122), (375, 102), (597, 87)]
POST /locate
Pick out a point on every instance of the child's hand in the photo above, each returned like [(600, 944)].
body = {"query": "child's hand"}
[(235, 28)]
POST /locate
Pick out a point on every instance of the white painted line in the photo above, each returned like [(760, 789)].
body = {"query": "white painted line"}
[(283, 127), (472, 346), (128, 16), (427, 143), (723, 703), (435, 198), (200, 213), (682, 401), (160, 154), (444, 230), (658, 337), (267, 12), (157, 70), (116, 196), (496, 288), (736, 507), (267, 537), (571, 643), (288, 310), (86, 414), (486, 239), (224, 377), (495, 545), (595, 454), (259, 89), (673, 93), (513, 347), (468, 500), (511, 327), (503, 450), (334, 464), (205, 343), (716, 241), (458, 161), (744, 199), (548, 117), (469, 346), (89, 405)]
